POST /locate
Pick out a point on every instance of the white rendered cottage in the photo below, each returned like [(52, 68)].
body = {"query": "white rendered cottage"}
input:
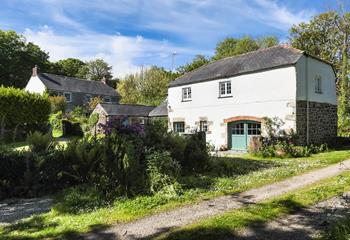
[(228, 98)]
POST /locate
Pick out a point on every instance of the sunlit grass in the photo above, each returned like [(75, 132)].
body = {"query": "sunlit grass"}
[(224, 226)]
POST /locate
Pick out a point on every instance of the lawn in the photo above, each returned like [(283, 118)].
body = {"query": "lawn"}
[(227, 175), (23, 146), (224, 226)]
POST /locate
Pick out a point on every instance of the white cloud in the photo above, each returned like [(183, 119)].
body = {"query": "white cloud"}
[(124, 53)]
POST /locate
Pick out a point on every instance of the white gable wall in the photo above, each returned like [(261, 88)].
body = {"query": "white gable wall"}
[(270, 93), (308, 68), (35, 85)]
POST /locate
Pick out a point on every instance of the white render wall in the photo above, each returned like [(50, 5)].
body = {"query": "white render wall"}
[(270, 93), (35, 85), (308, 68)]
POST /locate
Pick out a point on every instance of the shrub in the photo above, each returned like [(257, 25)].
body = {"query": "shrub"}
[(58, 104), (39, 142), (162, 171), (13, 167), (56, 124), (196, 154), (21, 108)]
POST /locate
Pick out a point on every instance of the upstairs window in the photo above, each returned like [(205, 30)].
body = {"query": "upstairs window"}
[(68, 96), (179, 127), (225, 89), (318, 84), (186, 94), (203, 126)]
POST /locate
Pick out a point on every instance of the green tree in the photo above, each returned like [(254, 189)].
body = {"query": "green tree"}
[(268, 41), (70, 67), (149, 87), (327, 36), (96, 70), (233, 46), (197, 62), (17, 58)]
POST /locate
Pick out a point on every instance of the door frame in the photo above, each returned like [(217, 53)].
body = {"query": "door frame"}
[(239, 119)]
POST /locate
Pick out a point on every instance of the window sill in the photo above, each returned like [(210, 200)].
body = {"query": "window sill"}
[(228, 96), (318, 92), (189, 100)]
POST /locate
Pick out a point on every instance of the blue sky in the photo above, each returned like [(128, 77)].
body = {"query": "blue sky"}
[(129, 34)]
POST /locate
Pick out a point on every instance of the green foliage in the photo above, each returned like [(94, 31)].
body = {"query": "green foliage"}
[(58, 103), (327, 36), (39, 142), (95, 70), (149, 87), (162, 171), (13, 167), (234, 46), (196, 154), (70, 67), (276, 142), (18, 57), (56, 124), (19, 108), (197, 62)]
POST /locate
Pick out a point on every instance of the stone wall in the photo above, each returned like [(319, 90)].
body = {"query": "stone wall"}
[(323, 122)]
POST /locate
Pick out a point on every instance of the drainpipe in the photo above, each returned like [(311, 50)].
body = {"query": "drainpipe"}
[(307, 100)]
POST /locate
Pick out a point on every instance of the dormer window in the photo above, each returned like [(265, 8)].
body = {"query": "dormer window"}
[(318, 84), (225, 89), (186, 94)]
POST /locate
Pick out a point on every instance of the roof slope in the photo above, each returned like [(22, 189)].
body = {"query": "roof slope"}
[(160, 111), (126, 109), (262, 59), (70, 84)]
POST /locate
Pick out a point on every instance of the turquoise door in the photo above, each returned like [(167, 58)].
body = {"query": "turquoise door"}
[(241, 133)]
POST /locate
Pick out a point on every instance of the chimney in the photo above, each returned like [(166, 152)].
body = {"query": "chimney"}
[(103, 80), (35, 71)]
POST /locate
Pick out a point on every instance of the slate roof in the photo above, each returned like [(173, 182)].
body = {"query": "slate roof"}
[(70, 84), (126, 109), (160, 111), (262, 59)]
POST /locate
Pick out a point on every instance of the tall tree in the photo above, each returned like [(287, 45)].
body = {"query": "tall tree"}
[(17, 58), (96, 70), (149, 87), (327, 36), (70, 67), (197, 62), (234, 46)]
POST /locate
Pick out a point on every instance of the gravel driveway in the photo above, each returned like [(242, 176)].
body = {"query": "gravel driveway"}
[(12, 210)]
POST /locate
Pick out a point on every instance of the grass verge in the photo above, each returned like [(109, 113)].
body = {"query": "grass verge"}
[(227, 175), (224, 226)]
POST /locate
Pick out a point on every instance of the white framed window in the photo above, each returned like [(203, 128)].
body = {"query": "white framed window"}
[(186, 94), (203, 126), (179, 127), (225, 89), (107, 99), (318, 84), (68, 96)]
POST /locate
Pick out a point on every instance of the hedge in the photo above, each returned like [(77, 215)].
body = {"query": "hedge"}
[(21, 108)]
